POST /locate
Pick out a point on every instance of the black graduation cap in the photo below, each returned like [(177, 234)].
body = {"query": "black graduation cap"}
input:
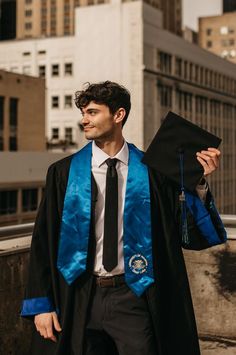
[(174, 147)]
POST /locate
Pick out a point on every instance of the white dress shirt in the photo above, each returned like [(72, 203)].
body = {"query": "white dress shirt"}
[(99, 170)]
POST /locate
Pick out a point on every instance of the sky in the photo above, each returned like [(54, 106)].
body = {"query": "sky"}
[(192, 9)]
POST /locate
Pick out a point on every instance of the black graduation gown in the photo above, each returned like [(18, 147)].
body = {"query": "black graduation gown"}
[(169, 299)]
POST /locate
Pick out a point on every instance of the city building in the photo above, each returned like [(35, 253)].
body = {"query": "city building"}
[(56, 17), (190, 35), (7, 19), (162, 71), (229, 5), (22, 181), (22, 112), (217, 34)]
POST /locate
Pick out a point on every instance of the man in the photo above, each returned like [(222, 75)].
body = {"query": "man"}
[(107, 274)]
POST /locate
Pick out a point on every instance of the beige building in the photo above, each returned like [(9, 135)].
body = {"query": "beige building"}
[(217, 34), (22, 181), (22, 112), (56, 17)]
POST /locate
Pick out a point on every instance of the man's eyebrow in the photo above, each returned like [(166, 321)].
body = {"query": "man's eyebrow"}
[(90, 110)]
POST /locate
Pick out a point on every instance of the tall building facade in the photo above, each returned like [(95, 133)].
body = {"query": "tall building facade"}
[(162, 71), (217, 34), (56, 17), (22, 113), (229, 5), (7, 19)]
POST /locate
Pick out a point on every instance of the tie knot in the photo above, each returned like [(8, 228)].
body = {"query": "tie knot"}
[(111, 162)]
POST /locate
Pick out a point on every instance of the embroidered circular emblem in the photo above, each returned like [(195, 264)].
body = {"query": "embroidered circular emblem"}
[(138, 264)]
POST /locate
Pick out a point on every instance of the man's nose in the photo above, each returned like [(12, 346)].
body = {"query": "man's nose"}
[(84, 119)]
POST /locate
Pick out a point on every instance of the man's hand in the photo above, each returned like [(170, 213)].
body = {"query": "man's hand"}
[(209, 159), (45, 322)]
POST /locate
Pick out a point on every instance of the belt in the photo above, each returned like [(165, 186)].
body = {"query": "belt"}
[(110, 281)]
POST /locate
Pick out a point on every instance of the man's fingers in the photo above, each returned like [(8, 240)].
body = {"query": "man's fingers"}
[(56, 322), (214, 150), (44, 325), (211, 160)]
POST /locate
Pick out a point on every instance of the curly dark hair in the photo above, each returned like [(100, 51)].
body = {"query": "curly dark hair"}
[(107, 93)]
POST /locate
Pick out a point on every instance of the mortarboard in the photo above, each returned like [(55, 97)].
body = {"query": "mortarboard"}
[(174, 148), (172, 152)]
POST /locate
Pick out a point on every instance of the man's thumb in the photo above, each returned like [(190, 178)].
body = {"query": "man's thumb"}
[(56, 322)]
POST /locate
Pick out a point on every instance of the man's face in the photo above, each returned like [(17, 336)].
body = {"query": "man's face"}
[(98, 122)]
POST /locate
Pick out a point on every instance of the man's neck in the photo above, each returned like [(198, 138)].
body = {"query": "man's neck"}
[(111, 147)]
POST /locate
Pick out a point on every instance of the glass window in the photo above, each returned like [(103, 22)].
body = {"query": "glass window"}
[(68, 68), (55, 133), (209, 31), (55, 101), (13, 143), (55, 69), (165, 62), (178, 66), (28, 25), (28, 13), (29, 200), (42, 71), (1, 113), (165, 94), (68, 101), (68, 134), (224, 30), (8, 202), (209, 44)]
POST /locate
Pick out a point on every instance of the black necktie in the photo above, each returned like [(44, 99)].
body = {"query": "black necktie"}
[(110, 241)]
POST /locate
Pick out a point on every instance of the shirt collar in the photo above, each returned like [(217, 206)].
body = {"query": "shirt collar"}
[(100, 156)]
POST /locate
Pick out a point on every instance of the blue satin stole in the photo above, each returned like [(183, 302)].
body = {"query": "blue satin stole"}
[(75, 225)]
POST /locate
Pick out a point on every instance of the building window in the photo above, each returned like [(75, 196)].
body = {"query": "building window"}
[(26, 54), (8, 202), (42, 52), (68, 101), (55, 133), (13, 143), (178, 66), (209, 44), (28, 2), (55, 69), (13, 112), (1, 142), (224, 30), (165, 62), (55, 101), (29, 200), (1, 121), (1, 114), (68, 134), (42, 71), (165, 94), (28, 25), (68, 68), (209, 31), (28, 13), (231, 42)]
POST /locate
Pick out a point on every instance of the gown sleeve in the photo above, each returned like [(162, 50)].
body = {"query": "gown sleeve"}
[(204, 225), (38, 293)]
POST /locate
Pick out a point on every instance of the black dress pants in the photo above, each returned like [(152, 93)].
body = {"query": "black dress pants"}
[(118, 323)]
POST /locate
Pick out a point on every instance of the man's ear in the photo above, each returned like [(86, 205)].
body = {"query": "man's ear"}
[(119, 115)]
